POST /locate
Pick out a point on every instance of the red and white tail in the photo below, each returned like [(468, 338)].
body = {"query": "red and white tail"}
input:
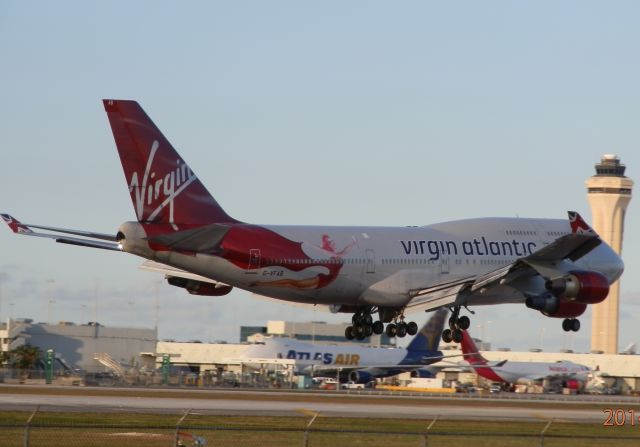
[(162, 186), (470, 350), (578, 224)]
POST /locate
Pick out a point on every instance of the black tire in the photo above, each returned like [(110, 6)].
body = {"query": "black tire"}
[(575, 325), (464, 322), (566, 325), (378, 327), (348, 333), (391, 330), (412, 328), (456, 334), (446, 336), (367, 319), (401, 330), (368, 330)]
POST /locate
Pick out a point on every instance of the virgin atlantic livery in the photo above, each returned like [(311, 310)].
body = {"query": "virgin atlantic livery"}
[(519, 372), (557, 267)]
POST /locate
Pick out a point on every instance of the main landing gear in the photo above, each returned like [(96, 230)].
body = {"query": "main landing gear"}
[(364, 326), (456, 326), (571, 324)]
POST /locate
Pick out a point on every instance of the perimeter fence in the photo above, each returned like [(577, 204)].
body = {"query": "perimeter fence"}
[(304, 432)]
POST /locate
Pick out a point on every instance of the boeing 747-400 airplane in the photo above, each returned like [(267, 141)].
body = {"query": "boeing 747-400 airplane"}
[(557, 267)]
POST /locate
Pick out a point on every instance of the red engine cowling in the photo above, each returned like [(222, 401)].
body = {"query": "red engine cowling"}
[(567, 309), (195, 287), (552, 306), (584, 286)]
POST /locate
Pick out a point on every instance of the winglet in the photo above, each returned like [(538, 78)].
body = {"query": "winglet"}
[(15, 225), (578, 225)]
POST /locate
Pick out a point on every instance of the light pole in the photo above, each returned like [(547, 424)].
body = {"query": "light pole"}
[(50, 283), (50, 302), (83, 311)]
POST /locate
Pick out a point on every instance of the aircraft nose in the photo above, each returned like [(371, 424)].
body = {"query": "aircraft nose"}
[(618, 267)]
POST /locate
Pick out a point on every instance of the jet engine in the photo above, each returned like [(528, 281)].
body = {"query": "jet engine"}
[(422, 373), (195, 287), (360, 377), (552, 306), (586, 287)]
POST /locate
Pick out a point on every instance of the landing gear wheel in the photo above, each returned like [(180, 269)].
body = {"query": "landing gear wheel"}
[(446, 336), (348, 333), (378, 327), (575, 324), (366, 319), (359, 331), (463, 323), (391, 330), (401, 329), (412, 328), (456, 334), (368, 330), (566, 324)]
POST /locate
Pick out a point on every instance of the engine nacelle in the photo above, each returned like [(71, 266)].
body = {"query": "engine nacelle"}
[(552, 306), (422, 373), (568, 309), (586, 287), (195, 287), (360, 377), (545, 303)]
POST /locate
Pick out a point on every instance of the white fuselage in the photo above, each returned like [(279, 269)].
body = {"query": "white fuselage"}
[(528, 372), (307, 356), (379, 265)]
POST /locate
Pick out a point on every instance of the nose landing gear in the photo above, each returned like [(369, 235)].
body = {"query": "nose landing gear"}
[(571, 324)]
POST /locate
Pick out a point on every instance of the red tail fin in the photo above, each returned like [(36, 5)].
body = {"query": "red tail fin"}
[(163, 188), (578, 225), (470, 350)]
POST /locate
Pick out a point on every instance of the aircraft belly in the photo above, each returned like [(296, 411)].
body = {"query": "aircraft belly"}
[(290, 286)]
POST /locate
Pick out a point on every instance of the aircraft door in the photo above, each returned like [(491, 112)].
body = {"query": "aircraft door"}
[(254, 260), (444, 265), (371, 261)]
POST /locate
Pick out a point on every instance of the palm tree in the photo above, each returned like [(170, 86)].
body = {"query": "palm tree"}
[(24, 357)]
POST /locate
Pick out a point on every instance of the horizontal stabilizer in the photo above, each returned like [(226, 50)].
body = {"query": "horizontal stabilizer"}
[(104, 242)]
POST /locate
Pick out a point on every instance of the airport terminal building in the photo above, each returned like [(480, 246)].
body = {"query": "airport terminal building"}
[(94, 347)]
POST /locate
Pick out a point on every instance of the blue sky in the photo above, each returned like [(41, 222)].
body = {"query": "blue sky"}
[(336, 113)]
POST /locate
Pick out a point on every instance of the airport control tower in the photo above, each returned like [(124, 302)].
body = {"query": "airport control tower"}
[(609, 193)]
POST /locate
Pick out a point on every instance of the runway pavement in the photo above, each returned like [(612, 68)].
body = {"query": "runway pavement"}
[(257, 404)]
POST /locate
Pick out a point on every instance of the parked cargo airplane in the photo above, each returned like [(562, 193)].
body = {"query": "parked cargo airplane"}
[(555, 266), (519, 372), (360, 364)]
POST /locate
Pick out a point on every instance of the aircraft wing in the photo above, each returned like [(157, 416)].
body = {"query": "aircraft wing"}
[(87, 239), (543, 262)]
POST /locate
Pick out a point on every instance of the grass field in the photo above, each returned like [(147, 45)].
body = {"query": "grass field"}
[(53, 429)]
